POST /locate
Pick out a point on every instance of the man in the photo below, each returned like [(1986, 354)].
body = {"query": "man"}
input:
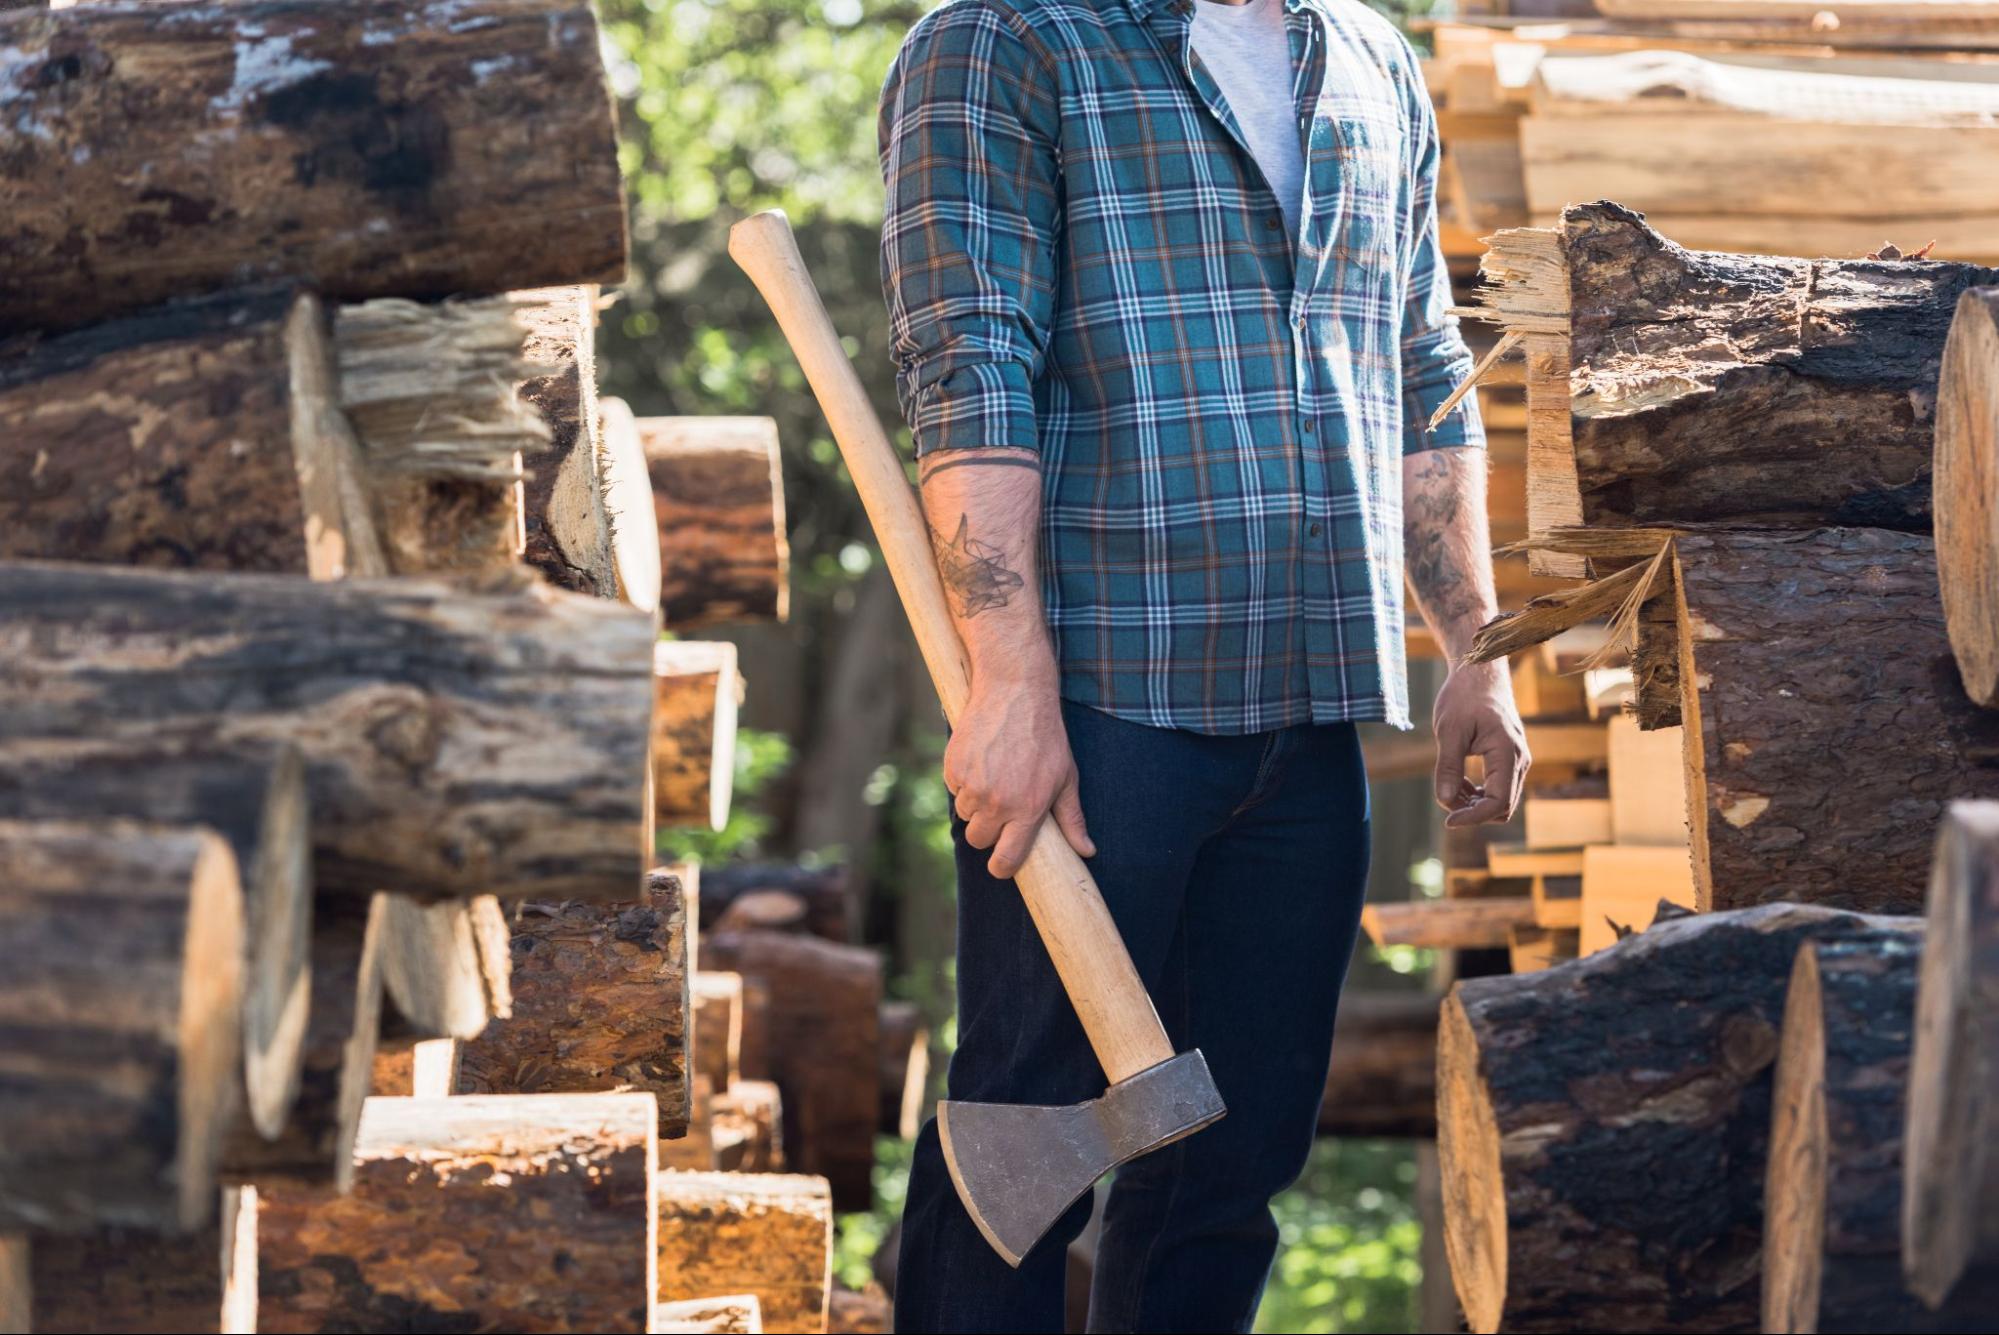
[(1170, 317)]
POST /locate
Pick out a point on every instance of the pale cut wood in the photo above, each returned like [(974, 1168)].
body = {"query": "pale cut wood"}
[(1558, 904), (16, 1291), (118, 1280), (1866, 11), (1382, 1080), (385, 149), (628, 506), (696, 694), (1541, 692), (123, 1006), (718, 497), (1967, 478), (1964, 238), (731, 1314), (1672, 1032), (1623, 886), (419, 1068), (445, 964), (718, 1026), (1521, 860), (1455, 924), (455, 743), (1648, 784), (462, 1211), (770, 1234), (568, 528), (204, 434), (905, 1068), (1567, 822), (1950, 1192), (1818, 91)]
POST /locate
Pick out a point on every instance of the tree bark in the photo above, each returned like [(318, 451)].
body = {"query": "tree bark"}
[(600, 1003), (123, 1009), (824, 890), (568, 528), (1951, 1151), (120, 1280), (1967, 480), (455, 744), (767, 1234), (1383, 1077), (385, 149), (1826, 728), (696, 692), (1604, 1126), (337, 1057), (718, 1026), (718, 498), (204, 434), (823, 1044), (905, 1068), (628, 506)]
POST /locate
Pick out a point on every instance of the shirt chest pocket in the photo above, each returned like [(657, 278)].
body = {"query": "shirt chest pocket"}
[(1358, 157)]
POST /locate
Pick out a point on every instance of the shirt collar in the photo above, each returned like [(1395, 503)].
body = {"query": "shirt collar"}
[(1144, 8)]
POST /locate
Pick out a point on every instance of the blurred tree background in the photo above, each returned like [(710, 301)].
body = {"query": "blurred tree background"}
[(728, 107)]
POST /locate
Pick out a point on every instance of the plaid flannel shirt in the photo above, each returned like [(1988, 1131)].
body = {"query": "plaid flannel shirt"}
[(1082, 259)]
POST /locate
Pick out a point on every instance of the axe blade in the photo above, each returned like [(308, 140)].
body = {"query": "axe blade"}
[(1017, 1167)]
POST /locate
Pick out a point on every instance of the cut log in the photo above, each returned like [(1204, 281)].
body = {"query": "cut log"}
[(455, 744), (1383, 1077), (1604, 1125), (732, 1314), (600, 1003), (821, 1027), (718, 1026), (824, 890), (768, 1234), (123, 1009), (1967, 481), (337, 1056), (697, 691), (401, 149), (463, 1211), (445, 964), (1798, 650), (429, 388), (416, 1068), (1446, 924), (718, 496), (119, 1280), (1951, 1151), (568, 529), (905, 1068), (751, 1112), (1833, 365), (204, 434), (1832, 1212), (628, 506)]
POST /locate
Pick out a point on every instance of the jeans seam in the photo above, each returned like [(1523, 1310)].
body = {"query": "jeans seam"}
[(1259, 788)]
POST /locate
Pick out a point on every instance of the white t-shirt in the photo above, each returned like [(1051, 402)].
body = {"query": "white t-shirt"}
[(1248, 53)]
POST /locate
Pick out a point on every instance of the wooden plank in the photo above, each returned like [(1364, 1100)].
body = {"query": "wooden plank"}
[(1445, 923), (1648, 784), (1622, 887), (1558, 901), (1567, 822), (1521, 860)]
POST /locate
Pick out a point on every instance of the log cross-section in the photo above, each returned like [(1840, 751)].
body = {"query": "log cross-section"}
[(718, 497), (1967, 491)]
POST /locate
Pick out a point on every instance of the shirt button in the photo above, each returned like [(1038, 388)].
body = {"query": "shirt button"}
[(1308, 426), (1298, 322), (1273, 222), (1314, 530)]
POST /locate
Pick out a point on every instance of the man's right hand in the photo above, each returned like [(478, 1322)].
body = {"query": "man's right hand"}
[(1008, 767)]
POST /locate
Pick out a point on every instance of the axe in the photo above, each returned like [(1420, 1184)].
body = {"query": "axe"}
[(1016, 1168)]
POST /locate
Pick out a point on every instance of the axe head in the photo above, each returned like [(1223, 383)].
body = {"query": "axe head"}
[(1017, 1167)]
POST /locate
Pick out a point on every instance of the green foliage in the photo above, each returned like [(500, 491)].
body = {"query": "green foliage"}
[(859, 1236), (761, 758), (1349, 1249)]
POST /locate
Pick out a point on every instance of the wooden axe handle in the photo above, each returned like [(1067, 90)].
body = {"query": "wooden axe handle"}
[(1067, 908)]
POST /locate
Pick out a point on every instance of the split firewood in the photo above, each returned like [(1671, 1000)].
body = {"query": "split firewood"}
[(751, 1115), (821, 1028), (696, 693), (718, 1026), (568, 528), (628, 505), (600, 1002), (1604, 1126), (1950, 1188), (466, 1207), (383, 149), (718, 496), (123, 1281), (336, 1056), (456, 744), (445, 964), (123, 1010), (905, 1068), (1383, 1076), (824, 890), (732, 1314), (1967, 482), (768, 1234)]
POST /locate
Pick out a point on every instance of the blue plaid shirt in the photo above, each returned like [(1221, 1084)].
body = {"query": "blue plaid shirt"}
[(1082, 259)]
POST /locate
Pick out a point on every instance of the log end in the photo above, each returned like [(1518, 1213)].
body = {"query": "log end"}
[(1473, 1186), (277, 985), (1794, 1194), (1966, 485)]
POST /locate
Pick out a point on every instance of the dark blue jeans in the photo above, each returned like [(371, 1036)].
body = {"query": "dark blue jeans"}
[(1235, 868)]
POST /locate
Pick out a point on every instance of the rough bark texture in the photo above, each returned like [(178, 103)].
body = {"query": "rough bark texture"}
[(905, 1068), (824, 890), (696, 691), (1604, 1126), (445, 965), (568, 529), (123, 1280), (1967, 492), (1714, 387), (1826, 727), (822, 1049), (767, 1234), (1832, 1240), (203, 434), (455, 744), (718, 497), (381, 149), (1383, 1077), (337, 1055), (122, 1006), (600, 1003), (462, 1211), (1951, 1154)]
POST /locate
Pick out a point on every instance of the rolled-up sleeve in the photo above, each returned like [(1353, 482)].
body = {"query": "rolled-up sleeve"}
[(1435, 360), (968, 149)]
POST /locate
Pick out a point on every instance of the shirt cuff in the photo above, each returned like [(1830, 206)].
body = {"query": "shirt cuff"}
[(987, 405)]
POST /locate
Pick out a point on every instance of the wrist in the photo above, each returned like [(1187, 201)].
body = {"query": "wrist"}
[(1014, 667)]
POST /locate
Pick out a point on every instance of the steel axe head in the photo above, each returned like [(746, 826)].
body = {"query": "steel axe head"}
[(1017, 1167)]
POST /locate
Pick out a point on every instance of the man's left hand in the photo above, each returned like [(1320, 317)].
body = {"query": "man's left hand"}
[(1475, 716)]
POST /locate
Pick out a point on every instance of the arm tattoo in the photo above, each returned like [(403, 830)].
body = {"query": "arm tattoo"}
[(980, 460), (1434, 503), (975, 571)]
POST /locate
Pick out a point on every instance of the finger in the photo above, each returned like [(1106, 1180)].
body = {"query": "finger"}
[(1522, 762), (1451, 746), (1500, 780), (1069, 819), (1010, 853), (1478, 813), (982, 830)]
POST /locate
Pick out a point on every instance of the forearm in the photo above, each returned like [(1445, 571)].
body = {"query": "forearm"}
[(1447, 545), (983, 507)]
